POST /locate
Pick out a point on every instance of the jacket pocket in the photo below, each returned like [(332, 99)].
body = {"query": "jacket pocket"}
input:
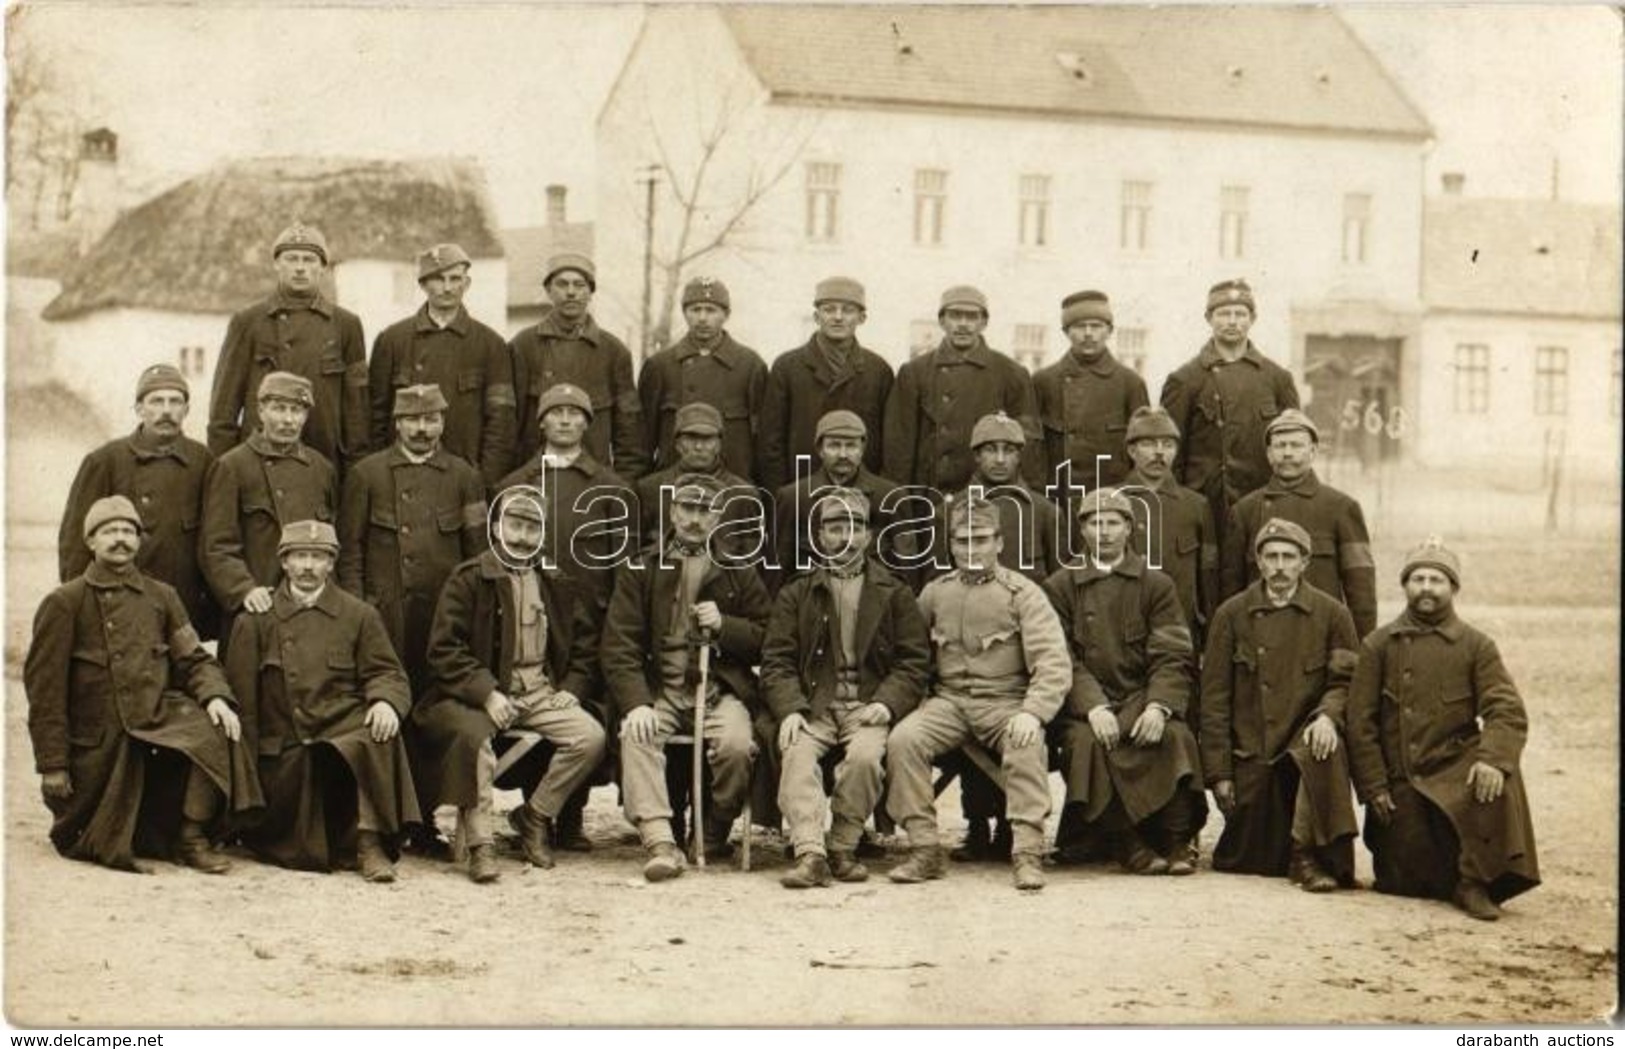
[(450, 522), (382, 518), (331, 365), (341, 659), (469, 381)]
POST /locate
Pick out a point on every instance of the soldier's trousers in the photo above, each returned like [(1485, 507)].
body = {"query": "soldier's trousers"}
[(728, 751), (858, 779), (578, 747)]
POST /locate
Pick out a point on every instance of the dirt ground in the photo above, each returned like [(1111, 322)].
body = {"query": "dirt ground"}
[(590, 943)]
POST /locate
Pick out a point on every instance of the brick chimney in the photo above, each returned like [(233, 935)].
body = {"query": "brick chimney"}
[(555, 205), (1453, 183)]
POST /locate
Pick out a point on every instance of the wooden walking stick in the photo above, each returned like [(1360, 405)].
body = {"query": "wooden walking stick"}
[(697, 787)]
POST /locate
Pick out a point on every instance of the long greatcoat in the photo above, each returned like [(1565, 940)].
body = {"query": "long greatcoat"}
[(599, 363), (592, 519), (801, 388), (114, 670), (731, 378), (1083, 408), (306, 678), (1428, 700), (1267, 674)]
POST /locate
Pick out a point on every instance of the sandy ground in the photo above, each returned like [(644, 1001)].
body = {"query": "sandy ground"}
[(590, 943)]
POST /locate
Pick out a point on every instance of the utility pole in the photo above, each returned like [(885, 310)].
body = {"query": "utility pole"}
[(649, 175)]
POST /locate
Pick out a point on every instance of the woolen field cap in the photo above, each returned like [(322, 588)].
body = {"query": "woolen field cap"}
[(843, 502), (996, 426), (562, 395), (1085, 306), (521, 501), (696, 489), (288, 387), (308, 535), (110, 508), (840, 289), (570, 260), (1432, 554), (1105, 500), (419, 400), (1231, 293), (706, 289), (161, 377), (441, 258), (1150, 422), (301, 236), (963, 295), (967, 516), (699, 418), (1291, 419), (1276, 529), (840, 423)]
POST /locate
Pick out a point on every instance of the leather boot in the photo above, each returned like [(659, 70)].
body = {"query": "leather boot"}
[(535, 836), (1137, 857), (1003, 842), (1311, 876), (568, 832), (664, 863), (482, 864), (371, 858), (810, 872), (847, 867), (1027, 871), (978, 843), (1474, 898), (197, 853), (923, 864)]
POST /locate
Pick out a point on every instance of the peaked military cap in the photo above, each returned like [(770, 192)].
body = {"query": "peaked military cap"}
[(308, 535), (419, 400), (441, 258), (288, 387)]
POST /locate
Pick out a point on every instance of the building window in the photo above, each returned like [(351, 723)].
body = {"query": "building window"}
[(1131, 348), (923, 336), (1232, 221), (1029, 345), (1134, 228), (823, 201), (192, 361), (1356, 226), (1472, 379), (1551, 380), (930, 201), (1034, 217), (1615, 387)]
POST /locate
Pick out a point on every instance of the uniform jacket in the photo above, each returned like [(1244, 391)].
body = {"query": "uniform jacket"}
[(1221, 411), (599, 363), (1270, 671), (471, 646), (744, 517), (801, 388), (592, 519), (640, 616), (1084, 409), (802, 644), (249, 494), (938, 399), (166, 486), (318, 340), (1187, 546), (1340, 564), (793, 506), (403, 527), (310, 674), (1127, 634), (731, 378), (471, 365), (1030, 524), (998, 639)]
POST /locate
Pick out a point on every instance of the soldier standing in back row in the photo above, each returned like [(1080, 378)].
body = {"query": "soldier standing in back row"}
[(707, 365), (441, 345), (296, 330), (1222, 399), (1085, 399), (567, 345)]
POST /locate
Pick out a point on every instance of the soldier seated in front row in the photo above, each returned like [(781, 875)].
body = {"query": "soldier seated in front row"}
[(846, 656), (323, 696), (663, 610), (511, 648), (1001, 672), (1130, 761), (134, 728)]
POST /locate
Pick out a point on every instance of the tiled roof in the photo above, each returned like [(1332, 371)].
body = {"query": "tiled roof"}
[(1521, 256), (1273, 66)]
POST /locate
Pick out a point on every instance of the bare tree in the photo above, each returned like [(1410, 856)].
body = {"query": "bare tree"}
[(706, 207), (44, 128)]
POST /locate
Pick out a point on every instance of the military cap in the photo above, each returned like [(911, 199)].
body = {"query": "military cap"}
[(302, 236), (1231, 293), (161, 377), (1150, 422), (972, 516), (441, 258), (110, 508), (419, 400), (700, 418), (1291, 419), (963, 295), (1285, 531), (561, 395), (706, 289), (996, 426), (288, 387), (522, 501), (1432, 554), (1085, 306), (843, 502), (1105, 500), (840, 423), (570, 260), (308, 535), (840, 289), (696, 489)]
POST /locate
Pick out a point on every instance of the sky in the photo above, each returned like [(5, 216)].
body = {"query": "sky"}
[(1507, 88)]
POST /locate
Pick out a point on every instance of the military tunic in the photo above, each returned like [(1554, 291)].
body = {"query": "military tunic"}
[(1270, 671), (1428, 700), (730, 378), (1186, 549), (1034, 541), (936, 403), (599, 363), (115, 669), (592, 519), (1340, 564), (794, 550), (1083, 407), (802, 387), (165, 482), (471, 365), (306, 678), (315, 339), (743, 528), (250, 493)]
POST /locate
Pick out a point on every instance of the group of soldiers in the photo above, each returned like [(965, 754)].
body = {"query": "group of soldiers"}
[(840, 581)]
